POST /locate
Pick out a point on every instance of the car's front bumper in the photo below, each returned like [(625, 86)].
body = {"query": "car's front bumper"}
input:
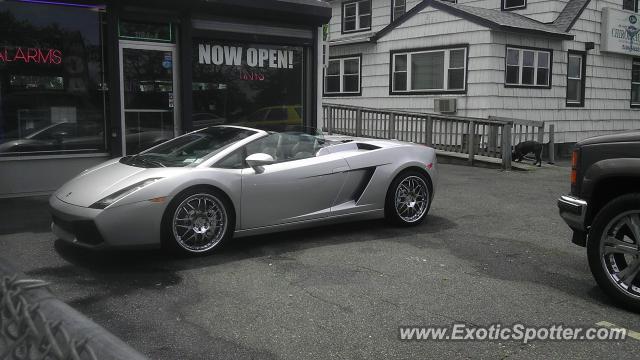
[(573, 211), (132, 225)]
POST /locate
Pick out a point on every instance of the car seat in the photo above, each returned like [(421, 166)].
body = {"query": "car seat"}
[(305, 148)]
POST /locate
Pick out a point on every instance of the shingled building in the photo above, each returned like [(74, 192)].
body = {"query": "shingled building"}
[(575, 64)]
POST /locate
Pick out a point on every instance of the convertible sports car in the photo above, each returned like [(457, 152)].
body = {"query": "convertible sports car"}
[(193, 192)]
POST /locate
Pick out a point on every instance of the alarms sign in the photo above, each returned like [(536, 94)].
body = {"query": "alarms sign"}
[(30, 55)]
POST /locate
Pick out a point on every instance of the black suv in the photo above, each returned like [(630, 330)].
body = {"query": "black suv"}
[(603, 210)]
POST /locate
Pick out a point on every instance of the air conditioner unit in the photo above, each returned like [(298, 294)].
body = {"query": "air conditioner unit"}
[(444, 105)]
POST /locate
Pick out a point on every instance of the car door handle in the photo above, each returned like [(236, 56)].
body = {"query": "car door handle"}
[(340, 169)]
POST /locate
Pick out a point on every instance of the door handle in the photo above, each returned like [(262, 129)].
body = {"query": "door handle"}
[(340, 169)]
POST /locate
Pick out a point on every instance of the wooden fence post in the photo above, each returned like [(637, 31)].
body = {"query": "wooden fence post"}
[(492, 143), (329, 119), (392, 125), (541, 134), (552, 150), (429, 131), (359, 122), (471, 141), (506, 146)]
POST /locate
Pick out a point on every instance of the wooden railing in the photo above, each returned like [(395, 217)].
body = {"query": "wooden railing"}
[(491, 137)]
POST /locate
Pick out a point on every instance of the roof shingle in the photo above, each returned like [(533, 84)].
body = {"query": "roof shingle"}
[(500, 20), (570, 14)]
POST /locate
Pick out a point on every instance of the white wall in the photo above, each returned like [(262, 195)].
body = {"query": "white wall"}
[(608, 81)]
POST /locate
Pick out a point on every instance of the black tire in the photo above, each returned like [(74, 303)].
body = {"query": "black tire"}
[(600, 266), (173, 244), (392, 214)]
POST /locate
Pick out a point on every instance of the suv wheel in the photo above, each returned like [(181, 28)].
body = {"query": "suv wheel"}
[(614, 250)]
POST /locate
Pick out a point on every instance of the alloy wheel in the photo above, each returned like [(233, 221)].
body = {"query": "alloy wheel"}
[(199, 223), (411, 199), (620, 252)]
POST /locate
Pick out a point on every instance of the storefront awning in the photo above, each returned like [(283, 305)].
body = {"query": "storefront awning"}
[(308, 12)]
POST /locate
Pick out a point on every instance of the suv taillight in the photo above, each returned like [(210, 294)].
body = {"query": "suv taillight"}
[(574, 167)]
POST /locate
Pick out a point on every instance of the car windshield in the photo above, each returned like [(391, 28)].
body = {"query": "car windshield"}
[(189, 149)]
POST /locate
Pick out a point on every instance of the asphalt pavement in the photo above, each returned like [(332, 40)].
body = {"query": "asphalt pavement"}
[(492, 250)]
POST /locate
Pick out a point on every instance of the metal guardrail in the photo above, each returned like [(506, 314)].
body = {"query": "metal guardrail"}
[(492, 137), (35, 325)]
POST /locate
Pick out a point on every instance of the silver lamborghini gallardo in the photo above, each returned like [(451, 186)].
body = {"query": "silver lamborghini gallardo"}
[(195, 191)]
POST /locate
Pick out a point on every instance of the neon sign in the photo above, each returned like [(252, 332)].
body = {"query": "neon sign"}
[(31, 55), (251, 76)]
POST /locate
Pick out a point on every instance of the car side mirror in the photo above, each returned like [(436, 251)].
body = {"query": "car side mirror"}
[(258, 160)]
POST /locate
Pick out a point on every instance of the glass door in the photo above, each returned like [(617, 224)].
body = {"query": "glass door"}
[(148, 93)]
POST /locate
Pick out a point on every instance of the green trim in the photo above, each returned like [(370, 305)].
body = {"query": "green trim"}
[(170, 40)]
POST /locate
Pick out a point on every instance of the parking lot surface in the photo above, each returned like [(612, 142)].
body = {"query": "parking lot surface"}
[(492, 250)]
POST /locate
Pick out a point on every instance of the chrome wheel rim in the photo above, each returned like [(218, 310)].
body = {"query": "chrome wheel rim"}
[(199, 223), (620, 252), (412, 199)]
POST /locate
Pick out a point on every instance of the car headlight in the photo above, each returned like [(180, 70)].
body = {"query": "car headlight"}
[(103, 203)]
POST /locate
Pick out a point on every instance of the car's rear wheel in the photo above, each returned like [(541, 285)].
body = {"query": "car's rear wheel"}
[(198, 221), (614, 250), (408, 199)]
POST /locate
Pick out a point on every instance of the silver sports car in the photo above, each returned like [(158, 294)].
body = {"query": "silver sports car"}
[(195, 191)]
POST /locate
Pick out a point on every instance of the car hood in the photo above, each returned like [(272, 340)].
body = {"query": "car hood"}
[(100, 181), (627, 136), (8, 144)]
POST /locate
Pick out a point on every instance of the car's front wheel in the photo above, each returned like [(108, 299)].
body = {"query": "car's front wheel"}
[(408, 199), (614, 250), (198, 221)]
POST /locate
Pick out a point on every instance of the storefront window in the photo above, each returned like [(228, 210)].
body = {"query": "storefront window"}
[(51, 87), (249, 84)]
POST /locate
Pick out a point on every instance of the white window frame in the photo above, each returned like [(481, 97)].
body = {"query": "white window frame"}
[(536, 52), (341, 75), (635, 62), (580, 78), (445, 82), (357, 15), (395, 6), (504, 5)]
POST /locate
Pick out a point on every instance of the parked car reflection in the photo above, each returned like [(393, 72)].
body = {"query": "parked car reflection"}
[(77, 136), (140, 139), (52, 137), (205, 119), (274, 115)]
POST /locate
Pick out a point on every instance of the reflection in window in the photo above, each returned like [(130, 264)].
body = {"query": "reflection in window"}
[(51, 74), (25, 82), (249, 84), (278, 114)]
